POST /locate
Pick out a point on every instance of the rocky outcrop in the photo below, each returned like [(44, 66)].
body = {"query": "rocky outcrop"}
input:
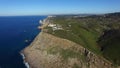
[(48, 51)]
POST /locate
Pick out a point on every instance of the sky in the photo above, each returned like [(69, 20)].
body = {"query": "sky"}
[(47, 7)]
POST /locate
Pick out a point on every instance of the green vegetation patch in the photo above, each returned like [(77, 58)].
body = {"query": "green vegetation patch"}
[(78, 32), (64, 53), (110, 43), (87, 32)]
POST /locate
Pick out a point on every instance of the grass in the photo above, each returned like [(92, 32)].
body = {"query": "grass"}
[(86, 31), (76, 33), (68, 53), (64, 53), (76, 66), (111, 46)]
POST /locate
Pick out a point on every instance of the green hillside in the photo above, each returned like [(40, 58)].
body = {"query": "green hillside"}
[(98, 33), (110, 45)]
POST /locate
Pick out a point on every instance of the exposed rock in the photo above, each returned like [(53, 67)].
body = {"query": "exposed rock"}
[(39, 55)]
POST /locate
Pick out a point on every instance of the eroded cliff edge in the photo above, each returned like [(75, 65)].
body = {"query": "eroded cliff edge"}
[(48, 51)]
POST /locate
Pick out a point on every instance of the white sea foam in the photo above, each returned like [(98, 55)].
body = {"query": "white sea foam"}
[(40, 21), (26, 63), (23, 56)]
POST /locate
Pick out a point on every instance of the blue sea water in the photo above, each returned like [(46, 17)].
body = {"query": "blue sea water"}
[(14, 30)]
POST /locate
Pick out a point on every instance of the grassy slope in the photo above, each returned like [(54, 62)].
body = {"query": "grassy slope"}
[(87, 31), (78, 32), (110, 42)]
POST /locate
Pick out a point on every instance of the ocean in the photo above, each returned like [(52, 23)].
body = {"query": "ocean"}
[(16, 32)]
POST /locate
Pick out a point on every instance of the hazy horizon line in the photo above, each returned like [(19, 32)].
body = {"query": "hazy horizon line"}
[(60, 14)]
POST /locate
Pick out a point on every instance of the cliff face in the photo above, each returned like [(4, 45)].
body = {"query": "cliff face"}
[(48, 51)]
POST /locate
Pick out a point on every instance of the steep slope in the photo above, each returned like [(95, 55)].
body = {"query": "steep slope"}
[(77, 42), (48, 51), (110, 45), (87, 32)]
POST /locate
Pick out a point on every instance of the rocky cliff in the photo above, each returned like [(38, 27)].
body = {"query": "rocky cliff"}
[(48, 51)]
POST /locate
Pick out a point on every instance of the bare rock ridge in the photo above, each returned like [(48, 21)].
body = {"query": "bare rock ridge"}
[(48, 51)]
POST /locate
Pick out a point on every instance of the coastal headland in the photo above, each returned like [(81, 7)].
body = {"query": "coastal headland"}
[(50, 51)]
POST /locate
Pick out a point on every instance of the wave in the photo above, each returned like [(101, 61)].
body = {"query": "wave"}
[(40, 22), (26, 63)]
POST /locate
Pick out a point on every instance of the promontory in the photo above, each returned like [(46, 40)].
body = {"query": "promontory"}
[(74, 41)]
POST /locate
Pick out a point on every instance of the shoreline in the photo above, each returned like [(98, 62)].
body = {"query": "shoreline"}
[(24, 61), (43, 23), (35, 55)]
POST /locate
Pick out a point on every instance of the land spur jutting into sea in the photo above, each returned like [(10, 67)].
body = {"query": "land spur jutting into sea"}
[(43, 23), (50, 50)]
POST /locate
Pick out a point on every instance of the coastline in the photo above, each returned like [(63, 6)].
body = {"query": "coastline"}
[(35, 55), (43, 24), (24, 61)]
